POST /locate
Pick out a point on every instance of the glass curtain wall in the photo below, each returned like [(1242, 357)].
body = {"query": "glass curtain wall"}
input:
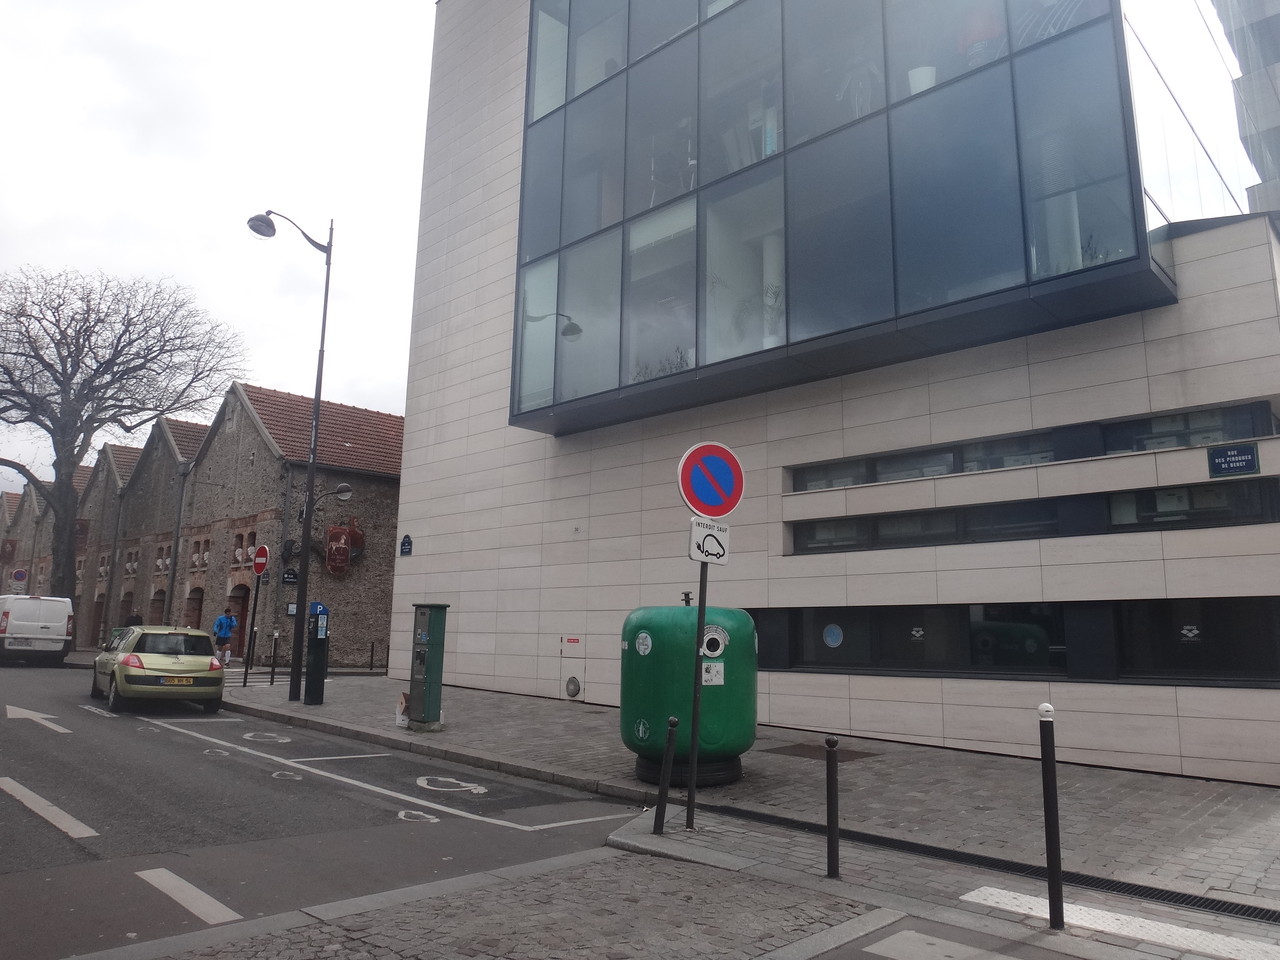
[(726, 165)]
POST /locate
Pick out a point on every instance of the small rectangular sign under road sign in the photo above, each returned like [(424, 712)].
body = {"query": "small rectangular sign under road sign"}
[(708, 541)]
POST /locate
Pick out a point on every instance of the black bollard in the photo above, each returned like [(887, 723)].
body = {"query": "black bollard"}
[(833, 810), (1052, 836), (664, 778)]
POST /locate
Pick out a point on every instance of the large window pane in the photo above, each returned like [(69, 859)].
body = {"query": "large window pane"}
[(597, 42), (744, 303), (838, 227), (957, 216), (1020, 636), (591, 301), (661, 292), (540, 200), (931, 41), (662, 126), (835, 637), (654, 22), (1034, 20), (1074, 161), (593, 158), (924, 636), (741, 99), (834, 64), (536, 335), (1214, 637), (548, 56)]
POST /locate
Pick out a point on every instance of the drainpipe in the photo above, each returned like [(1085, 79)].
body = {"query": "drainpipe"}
[(184, 470), (111, 603)]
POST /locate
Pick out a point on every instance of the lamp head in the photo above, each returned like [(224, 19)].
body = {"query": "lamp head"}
[(571, 331), (262, 225), (343, 492)]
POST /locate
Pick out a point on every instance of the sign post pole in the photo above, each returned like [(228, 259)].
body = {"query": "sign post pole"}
[(710, 481), (261, 557)]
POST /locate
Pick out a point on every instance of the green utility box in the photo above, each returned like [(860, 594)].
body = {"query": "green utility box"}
[(426, 668), (657, 683)]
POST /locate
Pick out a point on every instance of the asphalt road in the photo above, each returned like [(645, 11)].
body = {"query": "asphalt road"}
[(120, 828)]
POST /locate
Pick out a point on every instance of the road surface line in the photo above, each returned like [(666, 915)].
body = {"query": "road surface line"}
[(191, 897), (350, 756), (1132, 927), (39, 805)]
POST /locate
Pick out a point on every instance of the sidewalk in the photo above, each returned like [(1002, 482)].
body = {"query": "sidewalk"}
[(1194, 837)]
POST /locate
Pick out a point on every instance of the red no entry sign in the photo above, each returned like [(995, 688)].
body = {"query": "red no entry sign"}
[(260, 558), (710, 479)]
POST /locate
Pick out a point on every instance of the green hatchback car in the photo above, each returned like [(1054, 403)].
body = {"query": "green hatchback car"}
[(158, 663)]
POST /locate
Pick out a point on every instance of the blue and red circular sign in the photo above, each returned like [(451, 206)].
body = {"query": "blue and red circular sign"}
[(710, 479)]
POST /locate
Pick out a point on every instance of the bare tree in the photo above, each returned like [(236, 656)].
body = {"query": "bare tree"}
[(84, 353)]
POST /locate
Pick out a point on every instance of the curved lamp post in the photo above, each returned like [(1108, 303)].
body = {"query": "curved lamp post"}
[(264, 226)]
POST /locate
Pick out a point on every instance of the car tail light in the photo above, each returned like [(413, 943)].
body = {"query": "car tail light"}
[(4, 621), (215, 663), (69, 618), (132, 660)]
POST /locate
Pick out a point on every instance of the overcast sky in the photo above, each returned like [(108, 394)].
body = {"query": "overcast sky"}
[(142, 134)]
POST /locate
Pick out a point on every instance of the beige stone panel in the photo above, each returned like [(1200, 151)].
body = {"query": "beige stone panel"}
[(1084, 338), (979, 390), (517, 535), (511, 626), (804, 396), (614, 597), (898, 689), (613, 548), (519, 601), (1228, 703), (1236, 268), (1120, 732), (890, 497), (1004, 355), (1227, 382), (1241, 341), (1012, 554), (523, 686), (1223, 576), (604, 694), (737, 433), (805, 565), (617, 478), (809, 712), (989, 420), (1112, 698), (899, 404), (1148, 763), (515, 644), (478, 665), (609, 526), (1175, 467), (1104, 402), (831, 686), (813, 505), (893, 435), (567, 464), (565, 553), (1102, 550), (1097, 475), (672, 520), (613, 573), (1252, 741), (911, 560), (464, 636), (1219, 309), (990, 724), (799, 451), (732, 593), (1221, 240), (866, 383), (1021, 694), (884, 589), (1214, 769), (899, 718), (989, 486), (563, 531), (616, 501), (519, 578), (1105, 581), (1117, 364), (557, 575), (664, 546), (1004, 584)]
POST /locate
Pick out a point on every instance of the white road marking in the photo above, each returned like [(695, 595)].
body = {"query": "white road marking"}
[(573, 823), (352, 756), (913, 945), (206, 720), (98, 710), (383, 791), (37, 804), (17, 713), (1124, 925), (191, 897)]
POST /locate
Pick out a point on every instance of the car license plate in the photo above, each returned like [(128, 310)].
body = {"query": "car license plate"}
[(19, 642), (177, 681)]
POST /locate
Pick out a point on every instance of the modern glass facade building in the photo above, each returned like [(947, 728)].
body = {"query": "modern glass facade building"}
[(983, 292)]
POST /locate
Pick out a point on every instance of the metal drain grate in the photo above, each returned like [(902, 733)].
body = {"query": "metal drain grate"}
[(1138, 891), (816, 751)]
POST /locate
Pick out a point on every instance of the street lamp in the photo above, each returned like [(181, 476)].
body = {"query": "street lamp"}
[(264, 226)]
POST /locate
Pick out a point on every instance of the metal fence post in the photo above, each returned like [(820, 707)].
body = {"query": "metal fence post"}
[(833, 809), (664, 778), (1052, 835)]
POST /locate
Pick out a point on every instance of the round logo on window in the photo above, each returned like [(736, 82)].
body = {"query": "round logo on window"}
[(644, 643), (832, 635)]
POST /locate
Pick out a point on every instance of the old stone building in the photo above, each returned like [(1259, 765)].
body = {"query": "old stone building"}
[(169, 531)]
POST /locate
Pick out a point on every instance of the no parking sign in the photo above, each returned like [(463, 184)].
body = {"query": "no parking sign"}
[(710, 478)]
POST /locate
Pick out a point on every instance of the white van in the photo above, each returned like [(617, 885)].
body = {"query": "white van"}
[(35, 628)]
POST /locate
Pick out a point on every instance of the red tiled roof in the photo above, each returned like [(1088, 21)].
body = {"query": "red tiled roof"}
[(11, 500), (188, 436), (80, 479), (125, 459), (349, 437)]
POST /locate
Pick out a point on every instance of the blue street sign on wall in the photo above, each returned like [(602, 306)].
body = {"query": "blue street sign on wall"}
[(1234, 461)]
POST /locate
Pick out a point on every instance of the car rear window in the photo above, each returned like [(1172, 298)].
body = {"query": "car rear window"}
[(177, 644)]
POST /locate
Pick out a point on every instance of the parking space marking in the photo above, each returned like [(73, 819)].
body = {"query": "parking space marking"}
[(189, 896), (373, 788), (38, 805), (1125, 925), (350, 756)]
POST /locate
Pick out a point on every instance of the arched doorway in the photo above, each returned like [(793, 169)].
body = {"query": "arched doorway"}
[(238, 601), (155, 611), (193, 610)]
